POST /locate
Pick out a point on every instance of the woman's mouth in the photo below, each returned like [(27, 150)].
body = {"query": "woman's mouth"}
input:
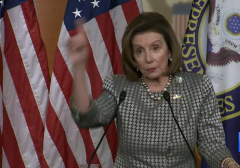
[(151, 69)]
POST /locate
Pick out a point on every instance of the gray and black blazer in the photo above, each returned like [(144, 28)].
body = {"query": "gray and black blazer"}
[(147, 133)]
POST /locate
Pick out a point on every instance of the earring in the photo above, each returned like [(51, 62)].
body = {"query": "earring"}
[(170, 59), (137, 69)]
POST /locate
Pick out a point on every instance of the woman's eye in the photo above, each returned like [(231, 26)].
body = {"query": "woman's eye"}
[(138, 51), (155, 48)]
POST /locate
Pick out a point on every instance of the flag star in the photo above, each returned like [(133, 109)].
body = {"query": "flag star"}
[(1, 2), (95, 3), (77, 13), (80, 0)]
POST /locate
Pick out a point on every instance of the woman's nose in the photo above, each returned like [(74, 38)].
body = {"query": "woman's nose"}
[(149, 58)]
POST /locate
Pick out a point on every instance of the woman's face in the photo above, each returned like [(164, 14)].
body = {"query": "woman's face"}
[(151, 54)]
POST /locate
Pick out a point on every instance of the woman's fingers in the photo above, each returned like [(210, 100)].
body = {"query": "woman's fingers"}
[(79, 25), (77, 45)]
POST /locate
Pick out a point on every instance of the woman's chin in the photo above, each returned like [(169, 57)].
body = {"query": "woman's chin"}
[(153, 76)]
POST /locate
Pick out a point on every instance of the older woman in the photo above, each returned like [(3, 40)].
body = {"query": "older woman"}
[(148, 135)]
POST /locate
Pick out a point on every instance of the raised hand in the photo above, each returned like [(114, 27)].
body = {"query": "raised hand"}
[(78, 46)]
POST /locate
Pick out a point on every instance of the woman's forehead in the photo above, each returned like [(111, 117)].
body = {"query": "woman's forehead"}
[(147, 37)]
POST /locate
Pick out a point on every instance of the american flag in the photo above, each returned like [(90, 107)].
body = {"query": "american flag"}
[(25, 84), (181, 13), (65, 144)]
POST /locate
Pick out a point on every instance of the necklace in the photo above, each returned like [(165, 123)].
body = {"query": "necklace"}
[(161, 95)]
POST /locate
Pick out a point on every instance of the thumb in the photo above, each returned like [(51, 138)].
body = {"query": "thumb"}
[(79, 25)]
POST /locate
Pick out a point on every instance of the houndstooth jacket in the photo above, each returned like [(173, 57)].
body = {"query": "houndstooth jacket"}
[(148, 135)]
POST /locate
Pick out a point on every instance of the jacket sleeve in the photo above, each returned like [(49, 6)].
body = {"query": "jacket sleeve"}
[(101, 110), (211, 137)]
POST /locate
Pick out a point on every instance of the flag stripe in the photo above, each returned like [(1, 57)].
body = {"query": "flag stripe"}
[(175, 18), (99, 49), (25, 95), (186, 23), (104, 35), (50, 151), (26, 83), (89, 146), (94, 77), (1, 65), (131, 10), (30, 60), (14, 159), (34, 72), (59, 138), (28, 9), (62, 41), (1, 104), (185, 19), (119, 23), (104, 66), (17, 120), (64, 82), (174, 23), (92, 71), (177, 25), (103, 152), (110, 41), (1, 94), (140, 7), (108, 35), (112, 137), (60, 105), (181, 25), (4, 161)]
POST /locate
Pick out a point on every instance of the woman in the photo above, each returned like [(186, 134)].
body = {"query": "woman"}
[(148, 135)]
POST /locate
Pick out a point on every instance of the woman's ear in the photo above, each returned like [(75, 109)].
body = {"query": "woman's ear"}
[(169, 54)]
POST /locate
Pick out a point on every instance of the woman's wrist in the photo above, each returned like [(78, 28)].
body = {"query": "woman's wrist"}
[(227, 162), (79, 65), (232, 164), (79, 69)]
